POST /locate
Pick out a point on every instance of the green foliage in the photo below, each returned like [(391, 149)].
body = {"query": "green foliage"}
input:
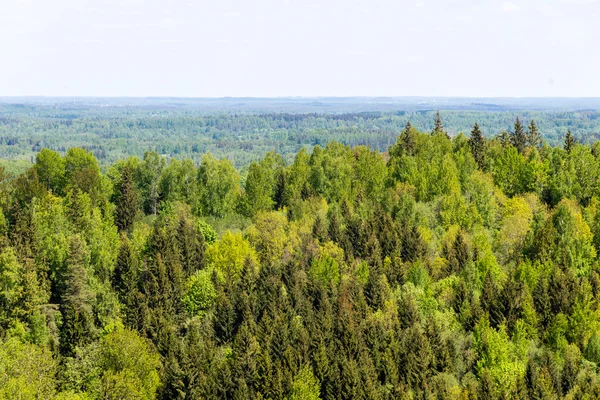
[(76, 298), (534, 138), (592, 350), (218, 183), (121, 365), (428, 272), (50, 167), (148, 177), (498, 357), (201, 294), (20, 297), (178, 182), (569, 141), (477, 142), (268, 236), (26, 371), (438, 126), (305, 386), (519, 137), (207, 231), (228, 255), (325, 268), (82, 172), (261, 183), (508, 170), (126, 199)]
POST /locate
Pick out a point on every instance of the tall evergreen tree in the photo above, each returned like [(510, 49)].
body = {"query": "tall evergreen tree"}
[(190, 243), (408, 140), (413, 245), (504, 138), (569, 141), (519, 137), (438, 127), (126, 279), (477, 143), (76, 299), (534, 138), (127, 199)]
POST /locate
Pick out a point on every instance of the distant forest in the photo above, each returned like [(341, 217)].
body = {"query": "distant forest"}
[(116, 132)]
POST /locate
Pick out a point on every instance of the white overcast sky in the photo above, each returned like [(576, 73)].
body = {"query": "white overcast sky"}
[(198, 48)]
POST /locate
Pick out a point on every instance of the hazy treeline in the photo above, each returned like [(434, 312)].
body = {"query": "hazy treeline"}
[(115, 133)]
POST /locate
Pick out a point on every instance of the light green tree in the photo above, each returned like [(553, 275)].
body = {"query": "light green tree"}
[(218, 185), (305, 386), (50, 167), (82, 172), (261, 183), (229, 253), (200, 294), (27, 371), (122, 365)]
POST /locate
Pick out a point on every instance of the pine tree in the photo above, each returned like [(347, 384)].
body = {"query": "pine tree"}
[(75, 286), (418, 357), (319, 229), (190, 243), (569, 141), (519, 137), (127, 200), (534, 137), (542, 303), (335, 228), (76, 299), (490, 300), (438, 127), (408, 140), (413, 245), (125, 279), (459, 254), (477, 143), (442, 360), (504, 138)]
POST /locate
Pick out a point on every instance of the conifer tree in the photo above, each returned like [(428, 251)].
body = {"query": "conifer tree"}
[(76, 299), (490, 300), (125, 279), (569, 141), (191, 246), (408, 140), (534, 137), (518, 137), (504, 138), (413, 245), (438, 127), (127, 200), (477, 143), (459, 254)]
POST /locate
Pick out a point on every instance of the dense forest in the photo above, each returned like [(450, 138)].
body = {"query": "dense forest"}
[(447, 267), (112, 132)]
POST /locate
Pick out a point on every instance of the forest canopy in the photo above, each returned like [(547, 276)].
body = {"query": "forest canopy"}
[(445, 267), (116, 132)]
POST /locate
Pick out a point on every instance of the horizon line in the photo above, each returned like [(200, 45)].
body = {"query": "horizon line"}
[(290, 97)]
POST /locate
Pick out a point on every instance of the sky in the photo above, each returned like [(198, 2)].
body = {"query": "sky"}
[(268, 48)]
